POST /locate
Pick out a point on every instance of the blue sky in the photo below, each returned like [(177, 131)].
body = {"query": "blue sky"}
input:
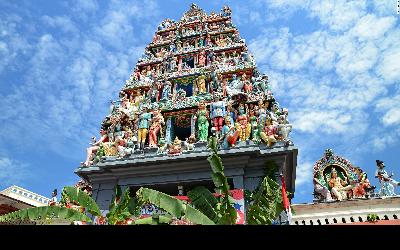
[(334, 64)]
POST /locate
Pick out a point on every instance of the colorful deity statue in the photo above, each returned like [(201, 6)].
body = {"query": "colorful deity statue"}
[(244, 125), (363, 185), (229, 134), (321, 189), (201, 84), (172, 64), (235, 87), (156, 124), (262, 112), (231, 113), (144, 122), (166, 92), (387, 183), (338, 186), (284, 129), (202, 58), (247, 86), (175, 148), (189, 142), (91, 151), (224, 84), (269, 133), (202, 122), (218, 112)]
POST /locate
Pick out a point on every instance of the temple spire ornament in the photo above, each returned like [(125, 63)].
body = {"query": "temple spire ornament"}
[(196, 78)]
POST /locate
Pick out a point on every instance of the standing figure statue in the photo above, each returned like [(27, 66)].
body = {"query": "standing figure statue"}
[(243, 124), (218, 112), (338, 186), (53, 200), (202, 122), (387, 183), (166, 92), (144, 122), (247, 86), (156, 124), (201, 84), (202, 58), (229, 134)]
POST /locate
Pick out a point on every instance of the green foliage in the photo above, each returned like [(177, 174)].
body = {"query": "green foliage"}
[(224, 210), (81, 198), (204, 200), (172, 205), (372, 217), (265, 203), (45, 213), (122, 207), (154, 220)]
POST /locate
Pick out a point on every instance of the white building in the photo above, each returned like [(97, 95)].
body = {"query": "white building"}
[(354, 211), (15, 198)]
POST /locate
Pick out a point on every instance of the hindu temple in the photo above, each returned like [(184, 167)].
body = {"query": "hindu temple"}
[(195, 79)]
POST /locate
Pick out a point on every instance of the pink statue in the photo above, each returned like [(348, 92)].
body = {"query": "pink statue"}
[(202, 58), (156, 123)]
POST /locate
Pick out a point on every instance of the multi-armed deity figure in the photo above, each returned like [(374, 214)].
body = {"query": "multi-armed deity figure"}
[(338, 186), (387, 183)]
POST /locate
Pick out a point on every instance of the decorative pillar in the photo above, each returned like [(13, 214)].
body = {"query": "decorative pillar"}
[(192, 126), (168, 131)]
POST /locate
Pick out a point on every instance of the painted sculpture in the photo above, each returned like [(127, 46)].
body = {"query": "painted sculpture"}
[(336, 179), (388, 184), (195, 79)]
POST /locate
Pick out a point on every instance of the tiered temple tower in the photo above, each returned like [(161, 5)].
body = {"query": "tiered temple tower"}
[(196, 79)]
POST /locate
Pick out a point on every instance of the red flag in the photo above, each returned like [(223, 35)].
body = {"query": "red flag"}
[(285, 200)]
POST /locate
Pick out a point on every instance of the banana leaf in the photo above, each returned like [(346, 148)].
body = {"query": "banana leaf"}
[(204, 200), (156, 220), (195, 216), (83, 199), (164, 201), (43, 213), (173, 206)]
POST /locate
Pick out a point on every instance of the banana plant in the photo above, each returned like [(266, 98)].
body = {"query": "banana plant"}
[(218, 209), (173, 207), (49, 214), (122, 208), (265, 202)]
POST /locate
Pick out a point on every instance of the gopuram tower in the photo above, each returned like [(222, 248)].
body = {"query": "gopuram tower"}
[(196, 79)]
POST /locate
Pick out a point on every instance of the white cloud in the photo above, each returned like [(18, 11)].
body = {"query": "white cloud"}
[(13, 172), (62, 22), (64, 95), (303, 173)]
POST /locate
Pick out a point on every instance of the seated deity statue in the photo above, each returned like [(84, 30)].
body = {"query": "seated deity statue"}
[(235, 87), (363, 185), (338, 186), (175, 148), (91, 151)]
